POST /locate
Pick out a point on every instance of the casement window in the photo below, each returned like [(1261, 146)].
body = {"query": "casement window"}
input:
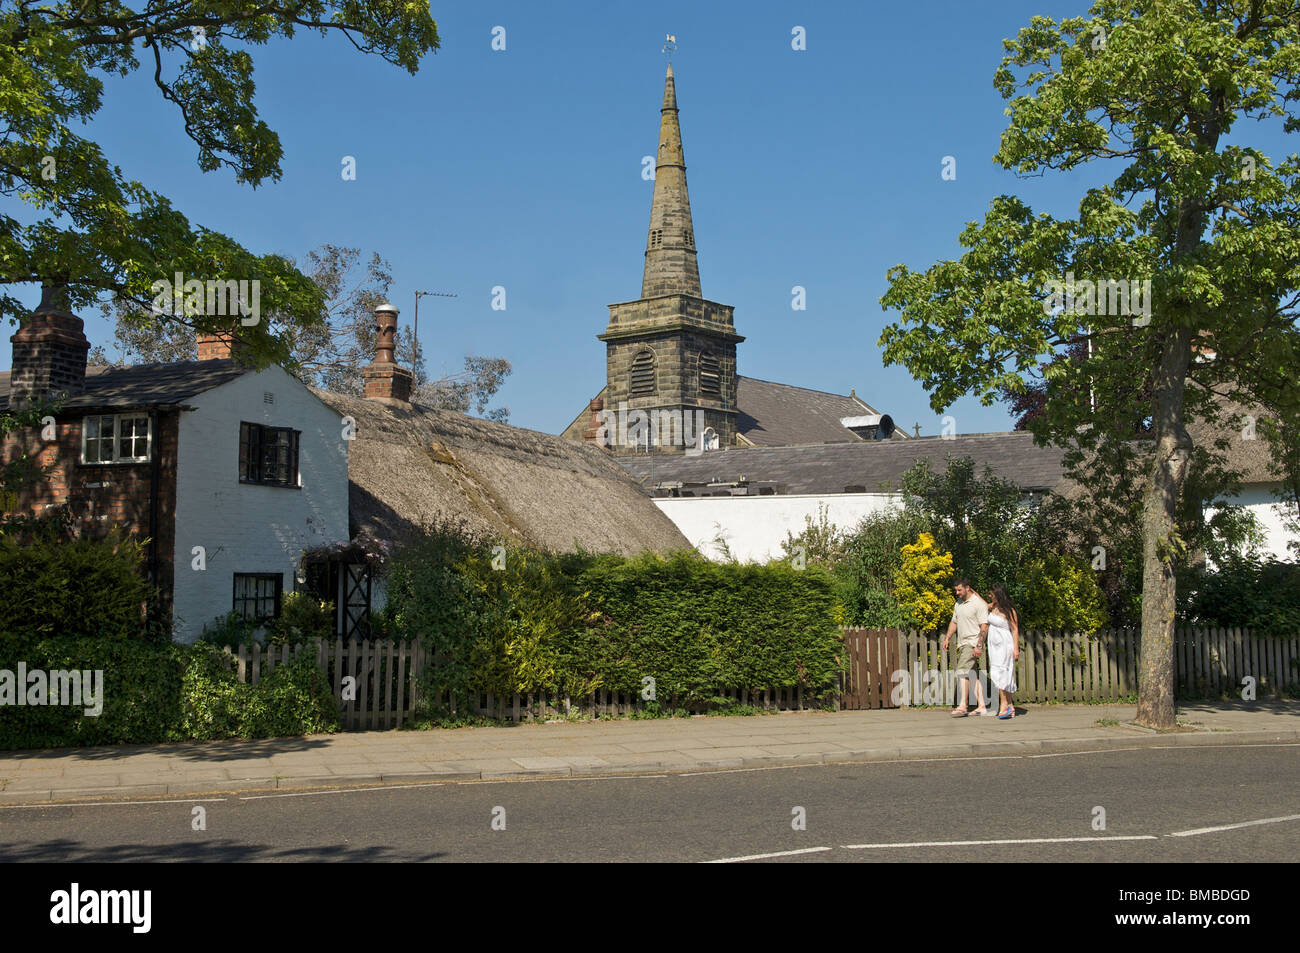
[(116, 438), (257, 595), (268, 455)]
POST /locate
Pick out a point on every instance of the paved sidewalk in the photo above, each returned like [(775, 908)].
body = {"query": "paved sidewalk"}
[(611, 747)]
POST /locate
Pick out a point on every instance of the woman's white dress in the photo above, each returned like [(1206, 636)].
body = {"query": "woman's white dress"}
[(1002, 667)]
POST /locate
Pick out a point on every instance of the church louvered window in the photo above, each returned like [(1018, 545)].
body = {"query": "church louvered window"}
[(710, 376), (643, 374), (688, 238), (656, 237)]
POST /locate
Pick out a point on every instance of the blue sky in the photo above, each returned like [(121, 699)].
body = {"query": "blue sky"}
[(522, 169)]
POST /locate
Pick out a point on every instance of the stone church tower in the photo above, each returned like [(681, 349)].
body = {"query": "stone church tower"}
[(671, 354)]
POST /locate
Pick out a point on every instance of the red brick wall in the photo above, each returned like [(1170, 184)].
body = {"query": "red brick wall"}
[(105, 495)]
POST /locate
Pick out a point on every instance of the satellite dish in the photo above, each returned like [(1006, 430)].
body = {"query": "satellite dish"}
[(885, 429)]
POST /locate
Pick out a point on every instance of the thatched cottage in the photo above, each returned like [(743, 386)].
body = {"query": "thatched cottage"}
[(234, 473)]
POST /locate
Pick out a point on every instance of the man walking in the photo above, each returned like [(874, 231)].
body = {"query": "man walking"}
[(970, 620)]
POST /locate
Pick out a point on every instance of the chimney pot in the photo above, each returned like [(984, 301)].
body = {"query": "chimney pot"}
[(384, 380)]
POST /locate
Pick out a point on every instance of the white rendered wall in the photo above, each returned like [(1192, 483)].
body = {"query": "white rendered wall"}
[(246, 528), (1259, 499), (755, 526)]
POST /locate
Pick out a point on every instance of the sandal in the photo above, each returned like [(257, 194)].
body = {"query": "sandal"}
[(1005, 715), (960, 712)]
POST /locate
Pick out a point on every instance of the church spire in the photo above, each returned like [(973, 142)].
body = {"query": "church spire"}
[(670, 265)]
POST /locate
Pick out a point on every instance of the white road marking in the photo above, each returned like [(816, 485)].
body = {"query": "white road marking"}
[(1233, 827), (779, 853), (983, 843), (188, 800)]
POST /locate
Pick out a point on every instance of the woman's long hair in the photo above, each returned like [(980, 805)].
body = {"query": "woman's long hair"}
[(1005, 605)]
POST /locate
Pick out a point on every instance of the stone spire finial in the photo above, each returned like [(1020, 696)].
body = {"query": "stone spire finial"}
[(670, 264)]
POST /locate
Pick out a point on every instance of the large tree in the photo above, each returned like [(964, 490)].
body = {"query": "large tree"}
[(1159, 89), (87, 225)]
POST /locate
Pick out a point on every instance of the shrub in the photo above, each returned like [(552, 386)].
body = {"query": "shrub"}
[(921, 584), (162, 692), (73, 589), (141, 698), (1244, 593), (1062, 593), (303, 618), (868, 558)]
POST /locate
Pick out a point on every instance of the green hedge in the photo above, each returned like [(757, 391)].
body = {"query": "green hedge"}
[(161, 692), (519, 621), (78, 587)]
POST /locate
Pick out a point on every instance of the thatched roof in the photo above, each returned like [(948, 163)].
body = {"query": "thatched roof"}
[(409, 467)]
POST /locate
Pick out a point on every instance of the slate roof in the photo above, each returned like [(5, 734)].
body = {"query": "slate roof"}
[(145, 385), (876, 465), (779, 415), (782, 415)]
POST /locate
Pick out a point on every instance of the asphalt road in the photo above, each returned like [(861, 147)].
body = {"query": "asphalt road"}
[(1160, 805)]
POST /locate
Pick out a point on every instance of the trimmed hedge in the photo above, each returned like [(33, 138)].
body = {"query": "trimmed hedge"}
[(161, 692), (527, 621), (78, 587)]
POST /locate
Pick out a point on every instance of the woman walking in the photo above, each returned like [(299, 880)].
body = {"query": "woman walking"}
[(1004, 648)]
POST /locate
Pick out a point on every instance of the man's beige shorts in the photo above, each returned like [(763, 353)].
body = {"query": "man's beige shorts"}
[(967, 663)]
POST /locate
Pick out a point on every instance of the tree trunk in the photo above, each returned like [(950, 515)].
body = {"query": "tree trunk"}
[(1160, 550)]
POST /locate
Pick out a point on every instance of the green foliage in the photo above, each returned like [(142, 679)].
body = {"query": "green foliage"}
[(1244, 593), (869, 558), (229, 631), (921, 584), (1174, 99), (571, 623), (1061, 594), (91, 228), (156, 692), (980, 520), (695, 626), (141, 692), (302, 618), (73, 588)]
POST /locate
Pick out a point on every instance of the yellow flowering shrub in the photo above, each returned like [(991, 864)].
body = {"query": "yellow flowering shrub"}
[(921, 583)]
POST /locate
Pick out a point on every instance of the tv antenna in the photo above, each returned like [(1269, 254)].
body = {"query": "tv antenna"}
[(415, 350)]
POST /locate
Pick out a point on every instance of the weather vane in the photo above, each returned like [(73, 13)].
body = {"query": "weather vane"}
[(670, 44)]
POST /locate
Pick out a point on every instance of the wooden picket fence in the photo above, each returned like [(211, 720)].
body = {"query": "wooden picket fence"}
[(385, 689), (1053, 667), (1103, 666)]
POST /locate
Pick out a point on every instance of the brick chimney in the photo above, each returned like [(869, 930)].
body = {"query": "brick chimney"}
[(49, 351), (217, 346), (593, 432), (385, 381)]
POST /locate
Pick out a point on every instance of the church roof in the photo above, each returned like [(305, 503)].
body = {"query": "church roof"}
[(872, 466), (410, 467), (779, 415), (782, 415)]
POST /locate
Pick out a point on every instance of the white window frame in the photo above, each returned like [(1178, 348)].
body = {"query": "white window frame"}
[(85, 431)]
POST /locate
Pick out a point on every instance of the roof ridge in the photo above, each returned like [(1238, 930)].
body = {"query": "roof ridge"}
[(811, 390)]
